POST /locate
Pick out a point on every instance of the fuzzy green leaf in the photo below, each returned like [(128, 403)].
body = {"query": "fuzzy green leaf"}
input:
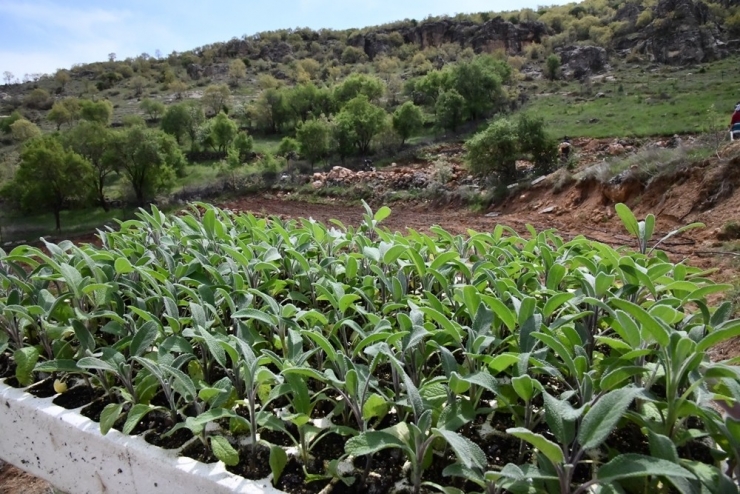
[(144, 338), (601, 419), (278, 461), (628, 219), (375, 406), (224, 451), (108, 416), (633, 465), (25, 360), (134, 416), (123, 266), (548, 448), (469, 453), (371, 442)]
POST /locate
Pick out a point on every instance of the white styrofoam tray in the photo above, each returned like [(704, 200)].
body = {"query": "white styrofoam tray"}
[(67, 450)]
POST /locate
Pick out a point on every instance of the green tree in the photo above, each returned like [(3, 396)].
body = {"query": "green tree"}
[(287, 146), (450, 110), (49, 178), (92, 141), (271, 110), (216, 97), (154, 109), (176, 121), (287, 149), (494, 151), (197, 117), (138, 84), (479, 85), (23, 130), (359, 121), (148, 158), (243, 144), (357, 84), (534, 141), (237, 70), (96, 111), (65, 111), (303, 100), (314, 140), (407, 120), (552, 67), (425, 90), (62, 78), (223, 131), (178, 87)]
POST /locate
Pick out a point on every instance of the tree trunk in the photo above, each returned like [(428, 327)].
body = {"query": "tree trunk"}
[(57, 219), (101, 198)]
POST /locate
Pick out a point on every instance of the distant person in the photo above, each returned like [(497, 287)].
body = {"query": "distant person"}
[(564, 148), (735, 123)]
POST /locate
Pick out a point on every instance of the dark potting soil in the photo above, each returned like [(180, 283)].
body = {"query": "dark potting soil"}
[(279, 438), (385, 471), (254, 463), (500, 449), (78, 396), (439, 463), (13, 382), (696, 450), (330, 447), (155, 420), (95, 408), (43, 389), (293, 478), (121, 420), (322, 409), (176, 440), (628, 439), (7, 366), (198, 452)]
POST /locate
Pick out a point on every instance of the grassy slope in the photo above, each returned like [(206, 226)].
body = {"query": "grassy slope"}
[(653, 100)]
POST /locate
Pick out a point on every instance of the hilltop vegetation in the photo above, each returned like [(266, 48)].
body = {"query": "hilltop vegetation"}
[(296, 99)]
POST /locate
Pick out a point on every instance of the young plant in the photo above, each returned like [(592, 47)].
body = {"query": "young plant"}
[(416, 443), (251, 379), (578, 431), (302, 403)]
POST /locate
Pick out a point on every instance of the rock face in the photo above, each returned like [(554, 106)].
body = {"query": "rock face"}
[(492, 35), (581, 61), (276, 52), (196, 71), (682, 33)]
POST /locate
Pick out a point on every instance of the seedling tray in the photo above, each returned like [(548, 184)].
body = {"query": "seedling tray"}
[(67, 450)]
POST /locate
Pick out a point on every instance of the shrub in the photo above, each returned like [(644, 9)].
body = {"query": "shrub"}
[(730, 231), (494, 151), (6, 122), (38, 99)]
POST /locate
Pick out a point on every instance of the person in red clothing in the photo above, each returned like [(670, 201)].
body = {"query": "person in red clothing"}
[(735, 123), (735, 115)]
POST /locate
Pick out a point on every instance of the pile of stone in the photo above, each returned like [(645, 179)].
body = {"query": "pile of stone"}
[(392, 178)]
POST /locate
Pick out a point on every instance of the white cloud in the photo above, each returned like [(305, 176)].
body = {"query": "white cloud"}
[(55, 36), (77, 22)]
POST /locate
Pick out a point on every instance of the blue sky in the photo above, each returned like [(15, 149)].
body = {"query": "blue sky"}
[(40, 36)]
